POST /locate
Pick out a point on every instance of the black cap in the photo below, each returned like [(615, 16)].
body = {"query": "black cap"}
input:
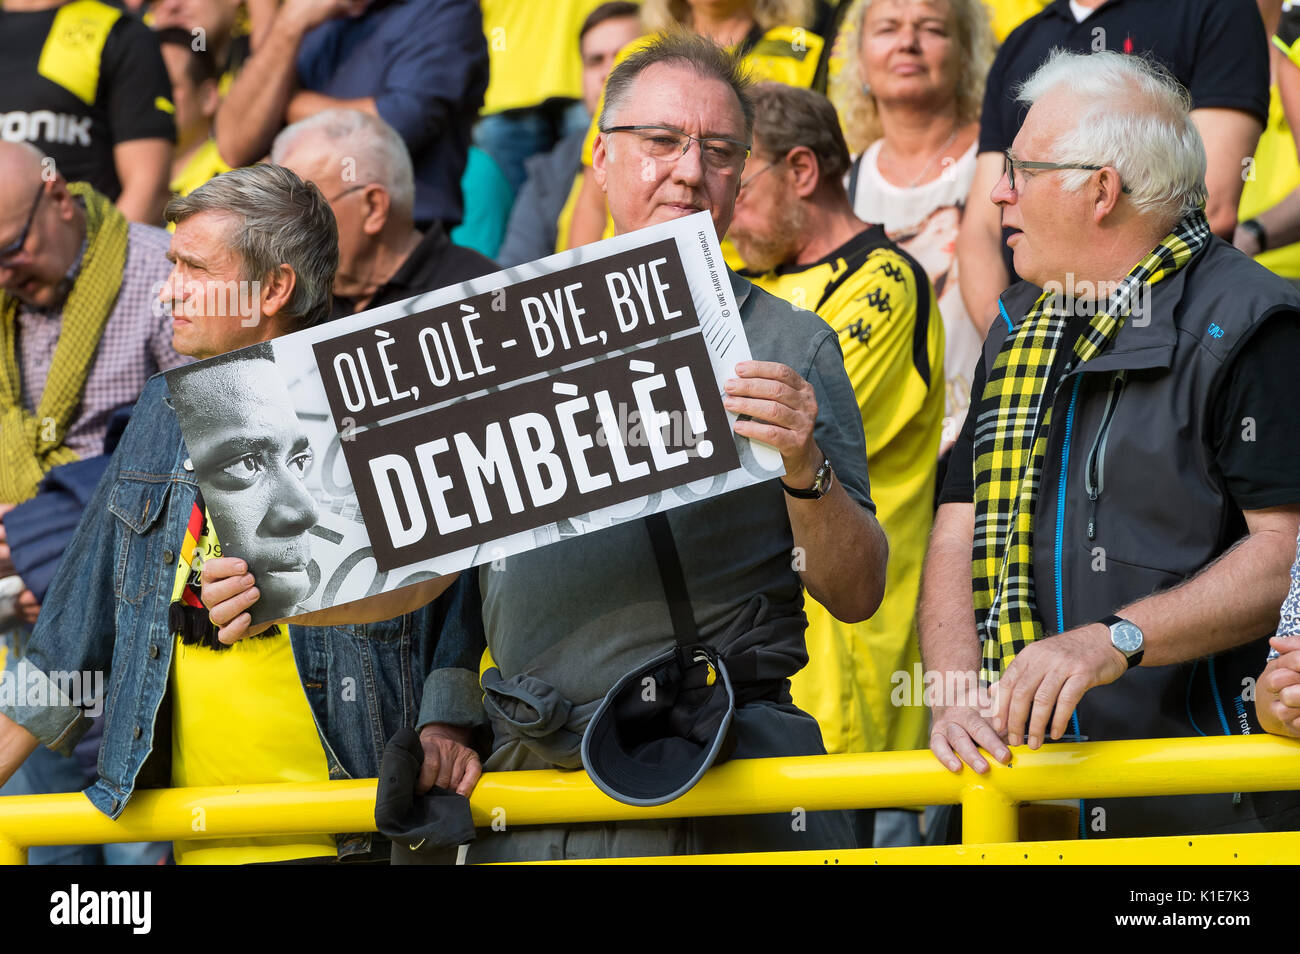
[(660, 727)]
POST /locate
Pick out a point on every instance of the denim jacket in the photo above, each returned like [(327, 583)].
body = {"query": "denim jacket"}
[(107, 610)]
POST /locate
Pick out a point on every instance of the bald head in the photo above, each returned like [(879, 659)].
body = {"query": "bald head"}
[(20, 170), (41, 221)]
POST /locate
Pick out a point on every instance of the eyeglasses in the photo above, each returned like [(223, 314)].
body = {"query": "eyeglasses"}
[(665, 142), (1011, 164), (15, 248), (746, 181), (355, 188)]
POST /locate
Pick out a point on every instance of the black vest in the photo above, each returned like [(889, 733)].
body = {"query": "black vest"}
[(1132, 502)]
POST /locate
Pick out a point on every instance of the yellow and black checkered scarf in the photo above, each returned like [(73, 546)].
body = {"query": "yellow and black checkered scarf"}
[(1011, 445), (30, 444)]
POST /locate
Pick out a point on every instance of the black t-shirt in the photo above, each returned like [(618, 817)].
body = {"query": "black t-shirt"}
[(1252, 420), (434, 263), (77, 86), (1216, 48)]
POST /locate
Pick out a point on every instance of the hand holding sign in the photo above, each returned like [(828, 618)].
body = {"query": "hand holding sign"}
[(229, 590), (783, 412), (380, 453)]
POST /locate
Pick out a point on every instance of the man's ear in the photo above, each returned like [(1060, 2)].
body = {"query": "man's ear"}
[(807, 175), (599, 156), (277, 290), (1108, 192), (63, 200), (378, 205)]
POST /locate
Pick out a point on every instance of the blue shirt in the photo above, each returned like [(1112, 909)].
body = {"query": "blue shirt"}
[(425, 62)]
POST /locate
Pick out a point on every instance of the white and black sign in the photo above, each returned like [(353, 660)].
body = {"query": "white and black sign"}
[(473, 422)]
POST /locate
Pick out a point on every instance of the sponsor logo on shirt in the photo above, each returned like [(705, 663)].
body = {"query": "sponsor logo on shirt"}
[(45, 126)]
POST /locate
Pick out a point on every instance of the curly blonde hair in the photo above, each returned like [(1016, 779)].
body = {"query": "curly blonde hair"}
[(662, 15), (975, 47)]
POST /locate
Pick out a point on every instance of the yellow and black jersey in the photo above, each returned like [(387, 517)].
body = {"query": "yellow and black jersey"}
[(880, 302), (77, 80)]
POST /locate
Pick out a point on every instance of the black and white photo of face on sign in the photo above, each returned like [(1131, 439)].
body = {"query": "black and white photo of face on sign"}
[(251, 456)]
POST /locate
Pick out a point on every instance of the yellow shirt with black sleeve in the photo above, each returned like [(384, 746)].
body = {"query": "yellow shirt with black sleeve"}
[(79, 79), (239, 717), (880, 302), (782, 55)]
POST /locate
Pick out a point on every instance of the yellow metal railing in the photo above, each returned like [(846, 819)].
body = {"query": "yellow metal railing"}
[(879, 780)]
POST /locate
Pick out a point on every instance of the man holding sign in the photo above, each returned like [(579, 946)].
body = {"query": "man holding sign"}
[(566, 623), (296, 704)]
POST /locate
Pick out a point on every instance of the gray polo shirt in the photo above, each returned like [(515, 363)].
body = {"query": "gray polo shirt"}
[(580, 613)]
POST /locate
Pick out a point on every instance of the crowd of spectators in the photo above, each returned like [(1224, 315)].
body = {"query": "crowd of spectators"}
[(1034, 419)]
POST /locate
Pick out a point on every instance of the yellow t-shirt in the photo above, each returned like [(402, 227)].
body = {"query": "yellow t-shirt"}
[(240, 716), (533, 51), (203, 165), (883, 308), (1275, 172), (1274, 175), (1006, 15)]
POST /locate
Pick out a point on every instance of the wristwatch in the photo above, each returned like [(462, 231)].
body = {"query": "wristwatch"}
[(820, 485), (1254, 228), (1126, 637)]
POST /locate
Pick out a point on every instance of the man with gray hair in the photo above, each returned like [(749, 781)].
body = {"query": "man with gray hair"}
[(361, 165), (1125, 495), (254, 256)]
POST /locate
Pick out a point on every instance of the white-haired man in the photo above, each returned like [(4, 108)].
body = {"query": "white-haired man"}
[(1125, 491), (361, 165)]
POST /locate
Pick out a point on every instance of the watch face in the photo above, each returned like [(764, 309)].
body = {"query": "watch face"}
[(1126, 637), (823, 478)]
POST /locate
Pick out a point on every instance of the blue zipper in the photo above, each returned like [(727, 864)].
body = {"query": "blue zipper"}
[(1060, 503), (1060, 531)]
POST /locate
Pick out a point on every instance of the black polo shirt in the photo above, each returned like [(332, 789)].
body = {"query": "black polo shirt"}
[(1216, 48), (434, 263)]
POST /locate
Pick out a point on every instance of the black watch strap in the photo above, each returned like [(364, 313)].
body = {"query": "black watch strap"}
[(1110, 621), (821, 483)]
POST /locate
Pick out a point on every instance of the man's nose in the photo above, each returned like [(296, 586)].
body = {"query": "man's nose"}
[(168, 291), (689, 166), (294, 511), (1002, 193)]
